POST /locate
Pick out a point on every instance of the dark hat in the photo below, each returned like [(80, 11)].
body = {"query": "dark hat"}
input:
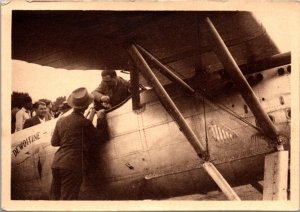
[(80, 98)]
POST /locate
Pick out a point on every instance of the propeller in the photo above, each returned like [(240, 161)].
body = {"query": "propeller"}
[(276, 164)]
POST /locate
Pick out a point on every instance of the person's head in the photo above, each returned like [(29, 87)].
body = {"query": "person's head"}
[(80, 99), (64, 107), (49, 105), (27, 103), (34, 106), (41, 110), (109, 77)]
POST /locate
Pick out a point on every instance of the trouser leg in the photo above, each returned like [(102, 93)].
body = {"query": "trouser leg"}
[(55, 185), (70, 184)]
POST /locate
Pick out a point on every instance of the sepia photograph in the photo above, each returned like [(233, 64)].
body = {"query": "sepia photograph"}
[(154, 106)]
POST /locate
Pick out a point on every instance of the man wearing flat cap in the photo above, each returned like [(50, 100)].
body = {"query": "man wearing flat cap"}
[(76, 137), (111, 91)]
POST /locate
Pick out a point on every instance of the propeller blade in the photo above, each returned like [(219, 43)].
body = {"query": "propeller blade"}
[(238, 78)]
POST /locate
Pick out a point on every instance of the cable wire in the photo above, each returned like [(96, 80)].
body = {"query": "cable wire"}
[(229, 111), (205, 128)]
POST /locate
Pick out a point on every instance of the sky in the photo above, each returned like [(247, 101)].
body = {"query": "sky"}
[(51, 83), (278, 28)]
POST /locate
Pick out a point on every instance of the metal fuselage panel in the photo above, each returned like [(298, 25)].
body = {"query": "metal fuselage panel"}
[(148, 157)]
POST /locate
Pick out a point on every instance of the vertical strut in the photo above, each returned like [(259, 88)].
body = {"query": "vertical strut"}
[(134, 82), (187, 131), (276, 176)]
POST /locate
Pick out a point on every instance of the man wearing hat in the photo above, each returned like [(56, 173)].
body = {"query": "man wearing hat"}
[(111, 91), (76, 137)]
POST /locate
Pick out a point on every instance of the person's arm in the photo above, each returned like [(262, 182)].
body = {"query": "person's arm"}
[(19, 121), (55, 140), (98, 93), (126, 83)]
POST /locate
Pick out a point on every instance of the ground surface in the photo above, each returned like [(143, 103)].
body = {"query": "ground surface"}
[(245, 192)]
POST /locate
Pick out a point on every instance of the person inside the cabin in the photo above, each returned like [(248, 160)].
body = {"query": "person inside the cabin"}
[(111, 91), (77, 139), (23, 114), (40, 115)]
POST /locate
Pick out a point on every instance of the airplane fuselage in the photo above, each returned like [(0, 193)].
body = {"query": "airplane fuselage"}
[(148, 157)]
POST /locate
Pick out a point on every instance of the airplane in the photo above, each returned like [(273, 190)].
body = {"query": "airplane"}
[(214, 110)]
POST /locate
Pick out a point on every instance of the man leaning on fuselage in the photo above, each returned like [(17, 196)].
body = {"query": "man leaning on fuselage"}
[(111, 91)]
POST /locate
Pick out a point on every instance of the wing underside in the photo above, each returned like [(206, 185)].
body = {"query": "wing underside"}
[(100, 39)]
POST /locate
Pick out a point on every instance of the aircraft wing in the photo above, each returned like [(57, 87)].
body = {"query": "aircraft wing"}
[(100, 39)]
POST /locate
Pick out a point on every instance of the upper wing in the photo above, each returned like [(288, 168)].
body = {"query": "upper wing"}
[(99, 39)]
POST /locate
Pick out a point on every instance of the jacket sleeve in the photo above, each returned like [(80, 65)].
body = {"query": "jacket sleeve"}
[(98, 92), (55, 140), (126, 83)]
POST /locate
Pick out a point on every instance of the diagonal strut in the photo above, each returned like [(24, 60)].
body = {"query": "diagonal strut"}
[(276, 164), (237, 76), (187, 131)]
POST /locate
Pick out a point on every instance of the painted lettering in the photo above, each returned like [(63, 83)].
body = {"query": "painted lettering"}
[(16, 151), (36, 136), (27, 141), (23, 144)]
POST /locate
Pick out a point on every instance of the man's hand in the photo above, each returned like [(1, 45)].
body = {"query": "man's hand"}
[(91, 114), (101, 113), (106, 105), (105, 99)]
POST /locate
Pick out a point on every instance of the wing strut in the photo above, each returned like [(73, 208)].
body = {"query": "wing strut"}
[(276, 164), (134, 80), (238, 78), (164, 70), (187, 131)]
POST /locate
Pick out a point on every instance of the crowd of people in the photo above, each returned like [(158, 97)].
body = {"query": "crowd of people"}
[(74, 134), (111, 91), (34, 113)]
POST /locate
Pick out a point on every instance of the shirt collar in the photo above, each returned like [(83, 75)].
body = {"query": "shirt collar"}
[(42, 120), (78, 113)]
